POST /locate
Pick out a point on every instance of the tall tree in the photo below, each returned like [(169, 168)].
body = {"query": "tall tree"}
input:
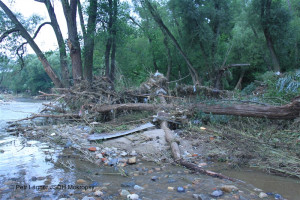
[(23, 32), (88, 38), (60, 42), (70, 12), (164, 28)]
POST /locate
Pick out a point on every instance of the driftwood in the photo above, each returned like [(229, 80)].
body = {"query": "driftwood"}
[(50, 116), (176, 151), (288, 111)]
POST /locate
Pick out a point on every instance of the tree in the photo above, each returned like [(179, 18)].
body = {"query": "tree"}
[(70, 10), (60, 42), (165, 29), (88, 38), (23, 32)]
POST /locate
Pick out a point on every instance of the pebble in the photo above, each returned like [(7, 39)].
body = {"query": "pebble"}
[(128, 184), (154, 178), (48, 158), (33, 178), (171, 188), (228, 188), (262, 195), (180, 189), (133, 153), (278, 196), (137, 187), (99, 156), (1, 151), (132, 160), (201, 197), (123, 153), (98, 193), (88, 198), (94, 184), (80, 181), (124, 193), (217, 193), (113, 162), (171, 181), (92, 149), (133, 196)]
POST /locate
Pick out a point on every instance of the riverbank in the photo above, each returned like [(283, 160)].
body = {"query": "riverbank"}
[(119, 166)]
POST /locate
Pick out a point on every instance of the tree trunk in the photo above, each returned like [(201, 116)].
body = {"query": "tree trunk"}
[(60, 42), (265, 16), (169, 57), (33, 45), (239, 83), (109, 39), (165, 29), (288, 111), (89, 41), (114, 40), (70, 11)]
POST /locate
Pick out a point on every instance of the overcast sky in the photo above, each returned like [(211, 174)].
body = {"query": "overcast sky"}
[(46, 38)]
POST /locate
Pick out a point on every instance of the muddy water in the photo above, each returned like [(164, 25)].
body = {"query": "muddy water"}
[(287, 187), (30, 169)]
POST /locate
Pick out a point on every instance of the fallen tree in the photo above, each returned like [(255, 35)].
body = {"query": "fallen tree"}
[(288, 111)]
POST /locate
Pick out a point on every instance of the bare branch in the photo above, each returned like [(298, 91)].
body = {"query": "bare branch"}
[(6, 33)]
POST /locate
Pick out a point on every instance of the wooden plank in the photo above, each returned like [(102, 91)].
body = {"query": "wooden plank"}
[(105, 136)]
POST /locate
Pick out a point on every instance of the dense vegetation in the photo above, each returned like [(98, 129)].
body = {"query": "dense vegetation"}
[(175, 37)]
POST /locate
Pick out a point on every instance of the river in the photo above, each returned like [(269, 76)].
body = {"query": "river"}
[(30, 169)]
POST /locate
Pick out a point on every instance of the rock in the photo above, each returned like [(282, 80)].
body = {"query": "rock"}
[(88, 198), (124, 193), (154, 178), (48, 158), (33, 178), (93, 149), (132, 160), (201, 197), (133, 196), (257, 190), (137, 187), (128, 184), (133, 153), (217, 193), (80, 181), (94, 184), (99, 156), (68, 144), (113, 162), (1, 151), (228, 188), (277, 196), (171, 188), (123, 153), (262, 195), (98, 193), (180, 189)]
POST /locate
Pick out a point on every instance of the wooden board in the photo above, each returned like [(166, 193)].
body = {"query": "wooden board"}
[(105, 136)]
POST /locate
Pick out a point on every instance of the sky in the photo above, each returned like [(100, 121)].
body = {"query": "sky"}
[(46, 39)]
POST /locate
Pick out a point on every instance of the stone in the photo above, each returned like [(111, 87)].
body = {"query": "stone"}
[(80, 181), (98, 193), (88, 198), (132, 160), (92, 149), (171, 181), (262, 195), (137, 187), (99, 156), (123, 153), (113, 162), (180, 189), (133, 153), (128, 184), (124, 193), (217, 193), (154, 178), (277, 196), (94, 184), (133, 196), (171, 188), (33, 178), (201, 197), (229, 188)]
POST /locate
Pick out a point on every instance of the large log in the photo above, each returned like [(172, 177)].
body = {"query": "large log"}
[(288, 111)]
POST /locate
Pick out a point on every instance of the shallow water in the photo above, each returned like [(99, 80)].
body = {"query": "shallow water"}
[(31, 169)]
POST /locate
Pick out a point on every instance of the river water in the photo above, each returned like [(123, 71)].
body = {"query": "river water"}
[(30, 169)]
